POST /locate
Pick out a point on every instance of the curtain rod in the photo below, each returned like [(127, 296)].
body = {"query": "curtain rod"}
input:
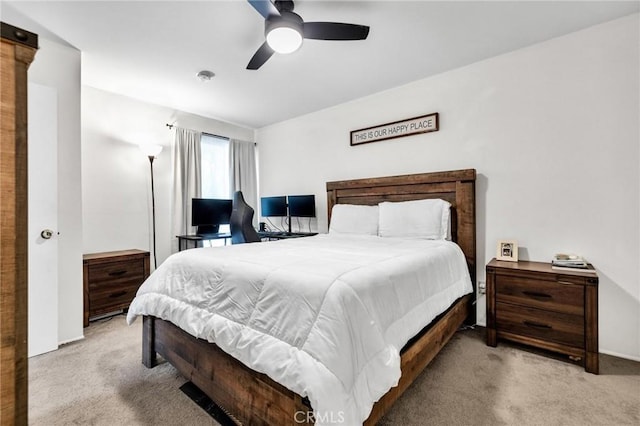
[(171, 126)]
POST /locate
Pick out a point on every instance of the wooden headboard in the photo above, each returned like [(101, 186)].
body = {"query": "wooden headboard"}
[(456, 187)]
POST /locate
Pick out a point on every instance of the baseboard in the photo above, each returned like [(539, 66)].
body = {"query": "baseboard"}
[(619, 355), (602, 351), (74, 339)]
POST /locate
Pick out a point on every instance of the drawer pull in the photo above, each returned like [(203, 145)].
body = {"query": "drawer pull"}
[(536, 325), (117, 273), (537, 295), (118, 294)]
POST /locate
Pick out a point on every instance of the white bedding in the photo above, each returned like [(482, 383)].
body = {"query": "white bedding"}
[(325, 316)]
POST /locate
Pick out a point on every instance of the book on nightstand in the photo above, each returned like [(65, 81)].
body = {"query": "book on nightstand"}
[(571, 262), (589, 269)]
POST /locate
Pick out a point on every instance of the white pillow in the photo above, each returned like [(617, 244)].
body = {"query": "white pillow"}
[(426, 219), (354, 219)]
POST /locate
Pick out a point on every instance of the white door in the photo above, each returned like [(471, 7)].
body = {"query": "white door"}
[(43, 217)]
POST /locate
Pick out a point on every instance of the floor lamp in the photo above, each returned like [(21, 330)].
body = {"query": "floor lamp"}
[(152, 152)]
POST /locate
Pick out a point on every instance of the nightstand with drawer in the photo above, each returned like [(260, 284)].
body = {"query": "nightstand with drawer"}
[(533, 304), (111, 280)]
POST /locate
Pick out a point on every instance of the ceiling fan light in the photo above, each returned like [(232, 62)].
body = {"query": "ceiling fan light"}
[(284, 32), (284, 39)]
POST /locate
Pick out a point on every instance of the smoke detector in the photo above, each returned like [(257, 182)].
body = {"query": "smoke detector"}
[(205, 75)]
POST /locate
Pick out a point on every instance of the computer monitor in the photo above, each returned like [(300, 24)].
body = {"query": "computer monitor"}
[(273, 206), (302, 205), (209, 213)]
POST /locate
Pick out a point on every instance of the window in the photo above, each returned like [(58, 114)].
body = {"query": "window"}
[(215, 171), (215, 166)]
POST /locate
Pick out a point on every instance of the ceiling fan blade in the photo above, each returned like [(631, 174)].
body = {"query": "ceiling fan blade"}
[(264, 8), (335, 31), (260, 57)]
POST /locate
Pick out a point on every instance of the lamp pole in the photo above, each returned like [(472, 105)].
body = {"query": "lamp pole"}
[(152, 151), (153, 213)]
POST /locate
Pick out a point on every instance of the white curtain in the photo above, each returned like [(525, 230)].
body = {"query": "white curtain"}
[(187, 181), (243, 173)]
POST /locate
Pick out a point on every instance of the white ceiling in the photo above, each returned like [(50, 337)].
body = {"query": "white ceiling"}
[(152, 50)]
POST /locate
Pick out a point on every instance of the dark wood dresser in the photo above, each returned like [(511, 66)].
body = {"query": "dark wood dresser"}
[(111, 280), (533, 304)]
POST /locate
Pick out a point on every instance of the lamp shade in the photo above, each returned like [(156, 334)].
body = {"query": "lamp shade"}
[(150, 150)]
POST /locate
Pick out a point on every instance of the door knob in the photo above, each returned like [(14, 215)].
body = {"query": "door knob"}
[(46, 234)]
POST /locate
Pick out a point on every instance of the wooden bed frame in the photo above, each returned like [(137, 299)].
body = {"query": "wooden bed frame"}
[(253, 398)]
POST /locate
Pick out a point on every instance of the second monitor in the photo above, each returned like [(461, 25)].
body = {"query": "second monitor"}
[(273, 206), (302, 205), (297, 206)]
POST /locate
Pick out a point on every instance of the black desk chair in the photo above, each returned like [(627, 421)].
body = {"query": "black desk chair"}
[(241, 221)]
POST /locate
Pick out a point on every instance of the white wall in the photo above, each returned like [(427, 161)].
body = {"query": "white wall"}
[(58, 66), (553, 132), (116, 176)]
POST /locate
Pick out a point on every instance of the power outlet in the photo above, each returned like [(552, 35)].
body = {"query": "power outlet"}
[(482, 287)]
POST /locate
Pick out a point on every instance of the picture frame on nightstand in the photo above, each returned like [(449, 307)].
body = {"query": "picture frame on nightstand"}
[(507, 250)]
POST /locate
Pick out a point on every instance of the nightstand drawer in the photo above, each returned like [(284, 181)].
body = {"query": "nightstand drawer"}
[(116, 272), (109, 290), (112, 298), (556, 327), (556, 296)]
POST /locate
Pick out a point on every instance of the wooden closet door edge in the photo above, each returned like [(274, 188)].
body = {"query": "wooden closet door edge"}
[(15, 60)]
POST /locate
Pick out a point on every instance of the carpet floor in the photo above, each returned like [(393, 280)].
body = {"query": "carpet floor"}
[(101, 381)]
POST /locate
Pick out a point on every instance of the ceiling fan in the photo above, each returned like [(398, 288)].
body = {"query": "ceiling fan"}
[(284, 30)]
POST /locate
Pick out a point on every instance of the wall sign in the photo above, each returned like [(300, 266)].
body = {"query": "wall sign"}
[(397, 129)]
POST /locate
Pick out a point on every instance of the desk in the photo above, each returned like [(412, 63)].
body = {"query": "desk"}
[(284, 235), (183, 240)]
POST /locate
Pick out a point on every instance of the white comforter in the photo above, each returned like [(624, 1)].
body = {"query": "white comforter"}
[(325, 316)]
